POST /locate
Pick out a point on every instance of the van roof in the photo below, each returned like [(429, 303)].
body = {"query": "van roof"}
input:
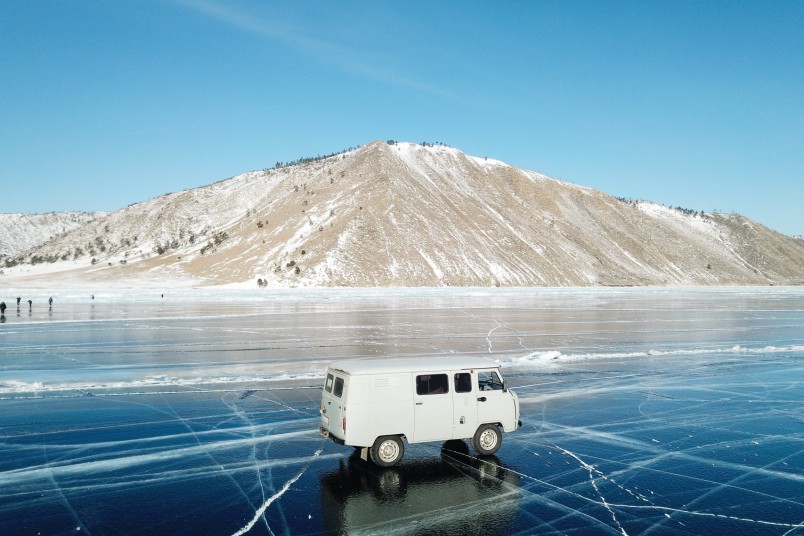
[(413, 364)]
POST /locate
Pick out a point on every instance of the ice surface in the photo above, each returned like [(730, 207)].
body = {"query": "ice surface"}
[(647, 411)]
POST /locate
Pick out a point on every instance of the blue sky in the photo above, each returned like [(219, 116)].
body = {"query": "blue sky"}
[(692, 104)]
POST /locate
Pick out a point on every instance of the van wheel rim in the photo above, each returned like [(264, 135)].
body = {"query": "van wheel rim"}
[(388, 451), (488, 439)]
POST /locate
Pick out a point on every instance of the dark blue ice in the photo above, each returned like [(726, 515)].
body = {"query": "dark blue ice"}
[(647, 411)]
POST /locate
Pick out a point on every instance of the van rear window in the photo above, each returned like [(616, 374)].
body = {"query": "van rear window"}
[(338, 390), (328, 384), (432, 384)]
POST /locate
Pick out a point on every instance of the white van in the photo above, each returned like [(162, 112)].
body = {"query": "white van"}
[(375, 404)]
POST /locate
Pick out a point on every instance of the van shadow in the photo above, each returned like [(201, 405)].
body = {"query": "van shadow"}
[(453, 494)]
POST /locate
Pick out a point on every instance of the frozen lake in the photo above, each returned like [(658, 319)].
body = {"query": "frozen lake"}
[(646, 411)]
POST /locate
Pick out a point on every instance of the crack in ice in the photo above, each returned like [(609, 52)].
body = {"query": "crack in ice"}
[(261, 510), (592, 470)]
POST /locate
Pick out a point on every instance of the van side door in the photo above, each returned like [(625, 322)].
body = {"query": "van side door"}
[(432, 412), (464, 420)]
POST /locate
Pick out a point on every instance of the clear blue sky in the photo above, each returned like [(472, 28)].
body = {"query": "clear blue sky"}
[(693, 104)]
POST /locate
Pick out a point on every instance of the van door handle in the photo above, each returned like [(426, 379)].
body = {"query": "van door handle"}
[(419, 403), (481, 399)]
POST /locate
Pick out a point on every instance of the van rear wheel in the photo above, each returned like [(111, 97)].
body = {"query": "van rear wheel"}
[(487, 439), (387, 451)]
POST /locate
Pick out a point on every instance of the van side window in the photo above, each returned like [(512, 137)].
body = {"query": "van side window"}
[(432, 384), (489, 381), (338, 391), (328, 385), (463, 382)]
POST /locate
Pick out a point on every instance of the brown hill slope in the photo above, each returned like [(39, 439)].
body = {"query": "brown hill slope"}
[(407, 215)]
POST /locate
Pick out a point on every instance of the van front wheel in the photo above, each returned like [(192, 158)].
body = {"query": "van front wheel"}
[(387, 451), (487, 439)]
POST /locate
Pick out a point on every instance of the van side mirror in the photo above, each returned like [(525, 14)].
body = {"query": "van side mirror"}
[(505, 386)]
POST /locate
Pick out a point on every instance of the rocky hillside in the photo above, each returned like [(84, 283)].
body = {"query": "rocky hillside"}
[(399, 214), (21, 232)]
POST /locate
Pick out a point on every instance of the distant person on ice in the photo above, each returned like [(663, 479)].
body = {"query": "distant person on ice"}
[(18, 302), (50, 301), (30, 303), (2, 308)]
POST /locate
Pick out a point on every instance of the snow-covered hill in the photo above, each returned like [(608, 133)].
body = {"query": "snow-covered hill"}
[(402, 214), (21, 232)]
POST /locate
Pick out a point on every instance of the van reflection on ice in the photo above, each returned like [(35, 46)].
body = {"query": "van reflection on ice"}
[(376, 404), (453, 494)]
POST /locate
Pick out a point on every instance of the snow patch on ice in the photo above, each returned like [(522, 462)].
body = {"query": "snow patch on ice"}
[(8, 387), (554, 357)]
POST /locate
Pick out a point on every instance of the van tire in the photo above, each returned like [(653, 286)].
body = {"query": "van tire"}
[(387, 451), (487, 439)]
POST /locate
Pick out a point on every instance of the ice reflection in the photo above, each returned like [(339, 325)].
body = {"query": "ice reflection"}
[(451, 494)]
